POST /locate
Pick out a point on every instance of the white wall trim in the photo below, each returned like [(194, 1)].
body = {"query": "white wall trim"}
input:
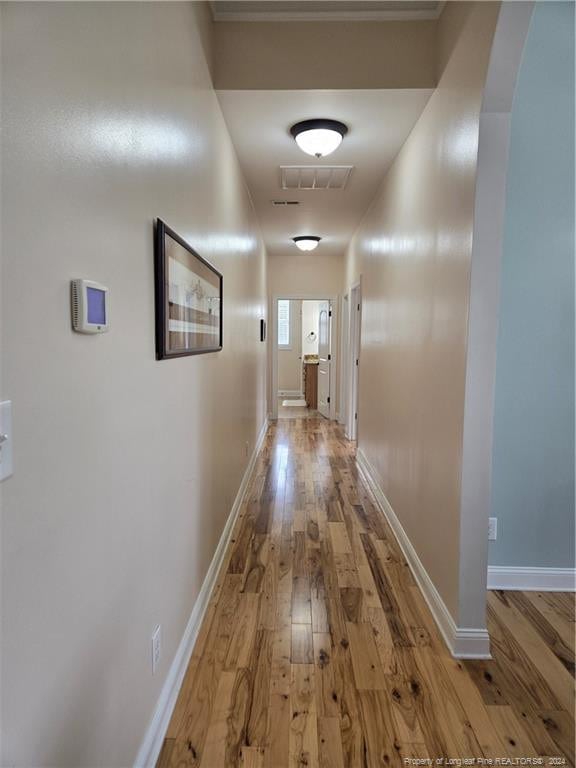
[(532, 579), (154, 736), (484, 307), (463, 642)]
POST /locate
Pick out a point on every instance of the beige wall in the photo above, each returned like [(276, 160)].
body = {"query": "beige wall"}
[(290, 360), (325, 54), (413, 251), (125, 468), (310, 325), (305, 273)]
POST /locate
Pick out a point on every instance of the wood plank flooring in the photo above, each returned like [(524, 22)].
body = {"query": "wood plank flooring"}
[(318, 650)]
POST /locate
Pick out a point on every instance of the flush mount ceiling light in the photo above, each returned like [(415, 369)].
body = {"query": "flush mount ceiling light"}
[(319, 137), (307, 242)]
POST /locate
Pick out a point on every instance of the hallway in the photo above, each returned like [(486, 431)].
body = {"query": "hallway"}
[(214, 211), (318, 650)]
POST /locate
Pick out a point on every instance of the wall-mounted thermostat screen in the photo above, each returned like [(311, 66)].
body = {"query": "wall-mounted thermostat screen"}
[(96, 306), (89, 307)]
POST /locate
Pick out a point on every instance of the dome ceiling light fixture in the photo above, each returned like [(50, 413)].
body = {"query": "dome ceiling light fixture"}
[(306, 242), (319, 137)]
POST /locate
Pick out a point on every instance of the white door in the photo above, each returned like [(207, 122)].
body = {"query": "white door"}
[(324, 361), (355, 331)]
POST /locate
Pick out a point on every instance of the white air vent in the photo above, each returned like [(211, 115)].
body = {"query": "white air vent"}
[(325, 10), (314, 177)]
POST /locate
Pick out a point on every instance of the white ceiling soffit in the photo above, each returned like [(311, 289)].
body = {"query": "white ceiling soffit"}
[(314, 177), (325, 10), (259, 123)]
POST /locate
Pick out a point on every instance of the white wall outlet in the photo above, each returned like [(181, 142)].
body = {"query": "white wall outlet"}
[(492, 528), (6, 439), (156, 647)]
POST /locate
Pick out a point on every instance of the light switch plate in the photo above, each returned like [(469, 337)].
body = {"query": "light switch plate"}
[(6, 439)]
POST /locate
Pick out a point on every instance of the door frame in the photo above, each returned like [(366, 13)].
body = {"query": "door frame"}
[(344, 352), (324, 357), (334, 336), (353, 369)]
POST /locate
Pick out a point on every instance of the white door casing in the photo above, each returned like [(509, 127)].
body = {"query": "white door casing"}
[(343, 314), (324, 358)]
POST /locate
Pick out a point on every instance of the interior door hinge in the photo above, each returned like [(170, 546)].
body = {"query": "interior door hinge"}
[(328, 400), (329, 357), (356, 416), (329, 313), (356, 361), (358, 307)]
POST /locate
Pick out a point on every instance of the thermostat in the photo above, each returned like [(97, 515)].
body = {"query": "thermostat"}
[(89, 307)]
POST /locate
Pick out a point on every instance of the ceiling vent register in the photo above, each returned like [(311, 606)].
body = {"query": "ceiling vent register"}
[(315, 177), (325, 10)]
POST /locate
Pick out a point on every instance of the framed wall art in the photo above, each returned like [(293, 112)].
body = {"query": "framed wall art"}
[(188, 298)]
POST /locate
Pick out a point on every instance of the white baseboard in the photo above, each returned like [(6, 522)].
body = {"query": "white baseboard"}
[(154, 737), (463, 642), (290, 393), (532, 579)]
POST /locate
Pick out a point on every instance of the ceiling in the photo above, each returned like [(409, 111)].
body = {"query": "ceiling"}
[(379, 122), (324, 10)]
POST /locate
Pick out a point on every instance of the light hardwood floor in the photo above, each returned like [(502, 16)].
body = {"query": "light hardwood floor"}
[(318, 650)]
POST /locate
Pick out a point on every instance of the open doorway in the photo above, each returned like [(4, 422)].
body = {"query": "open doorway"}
[(303, 357)]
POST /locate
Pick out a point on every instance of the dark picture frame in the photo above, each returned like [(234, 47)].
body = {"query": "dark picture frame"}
[(189, 298)]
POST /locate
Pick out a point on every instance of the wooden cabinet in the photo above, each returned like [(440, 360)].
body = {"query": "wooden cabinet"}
[(311, 385)]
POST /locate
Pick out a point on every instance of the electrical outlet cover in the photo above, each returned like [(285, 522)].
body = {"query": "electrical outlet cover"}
[(492, 528)]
